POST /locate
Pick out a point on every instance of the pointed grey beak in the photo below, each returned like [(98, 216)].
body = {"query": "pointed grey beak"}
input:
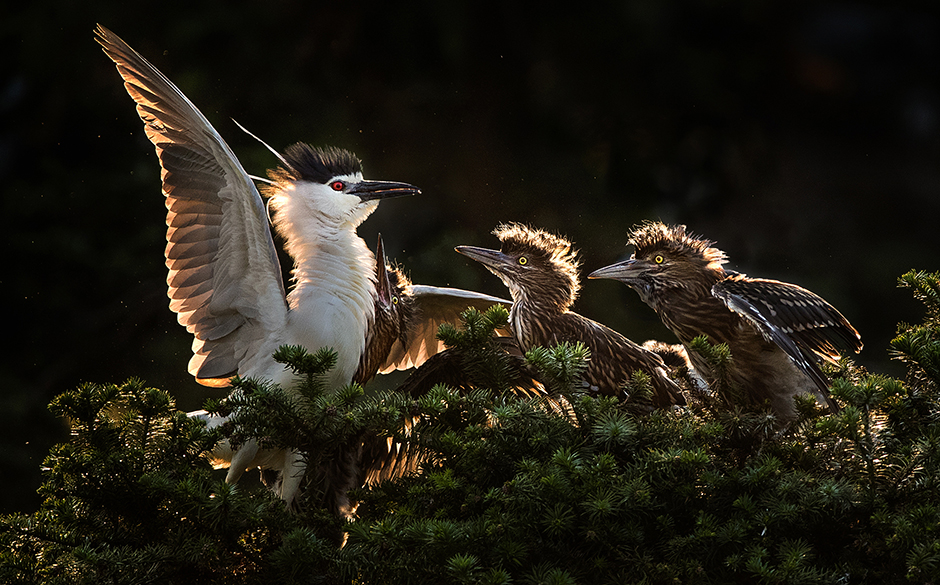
[(369, 190), (624, 271), (493, 259)]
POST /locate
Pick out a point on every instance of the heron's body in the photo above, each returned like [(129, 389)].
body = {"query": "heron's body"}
[(776, 332), (763, 371), (224, 278), (332, 302)]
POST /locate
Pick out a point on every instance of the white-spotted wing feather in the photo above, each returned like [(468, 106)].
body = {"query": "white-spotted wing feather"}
[(798, 321)]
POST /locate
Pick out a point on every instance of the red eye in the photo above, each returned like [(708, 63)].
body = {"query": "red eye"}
[(337, 185)]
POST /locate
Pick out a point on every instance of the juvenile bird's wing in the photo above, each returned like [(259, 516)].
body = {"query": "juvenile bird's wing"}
[(224, 280), (433, 306), (614, 358), (798, 321)]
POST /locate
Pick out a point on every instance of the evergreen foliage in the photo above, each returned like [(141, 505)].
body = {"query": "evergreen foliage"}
[(483, 362), (324, 425), (129, 499), (514, 490)]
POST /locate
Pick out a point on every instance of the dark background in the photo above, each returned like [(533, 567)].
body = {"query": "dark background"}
[(801, 136)]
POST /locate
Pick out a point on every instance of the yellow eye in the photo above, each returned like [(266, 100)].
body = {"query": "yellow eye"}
[(394, 300), (659, 259), (522, 260)]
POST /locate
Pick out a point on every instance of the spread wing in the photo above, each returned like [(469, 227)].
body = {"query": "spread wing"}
[(798, 321), (433, 306), (224, 279)]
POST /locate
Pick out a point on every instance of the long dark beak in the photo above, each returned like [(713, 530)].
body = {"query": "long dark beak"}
[(625, 271), (369, 190), (493, 259)]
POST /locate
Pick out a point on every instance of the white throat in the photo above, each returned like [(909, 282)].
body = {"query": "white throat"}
[(333, 282)]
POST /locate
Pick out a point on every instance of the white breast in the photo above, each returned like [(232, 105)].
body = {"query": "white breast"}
[(332, 305)]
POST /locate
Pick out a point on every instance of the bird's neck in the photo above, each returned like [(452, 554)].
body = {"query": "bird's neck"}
[(332, 299), (546, 297), (337, 261), (529, 312), (691, 310)]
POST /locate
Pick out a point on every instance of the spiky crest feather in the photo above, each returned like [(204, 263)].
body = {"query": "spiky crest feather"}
[(652, 237), (398, 279), (317, 165), (553, 250)]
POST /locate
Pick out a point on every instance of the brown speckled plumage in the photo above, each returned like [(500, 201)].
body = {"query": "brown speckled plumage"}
[(776, 331), (541, 271)]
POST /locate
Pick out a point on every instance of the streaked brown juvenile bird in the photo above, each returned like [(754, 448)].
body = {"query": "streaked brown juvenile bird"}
[(541, 271), (777, 332)]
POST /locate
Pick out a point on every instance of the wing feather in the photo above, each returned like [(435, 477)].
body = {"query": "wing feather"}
[(224, 280), (798, 321), (433, 306)]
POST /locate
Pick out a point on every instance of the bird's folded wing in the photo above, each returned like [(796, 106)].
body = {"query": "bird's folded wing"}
[(434, 306), (614, 358), (224, 279), (798, 321)]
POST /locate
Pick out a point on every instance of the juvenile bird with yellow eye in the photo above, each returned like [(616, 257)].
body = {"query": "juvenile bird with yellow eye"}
[(777, 332), (541, 271)]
